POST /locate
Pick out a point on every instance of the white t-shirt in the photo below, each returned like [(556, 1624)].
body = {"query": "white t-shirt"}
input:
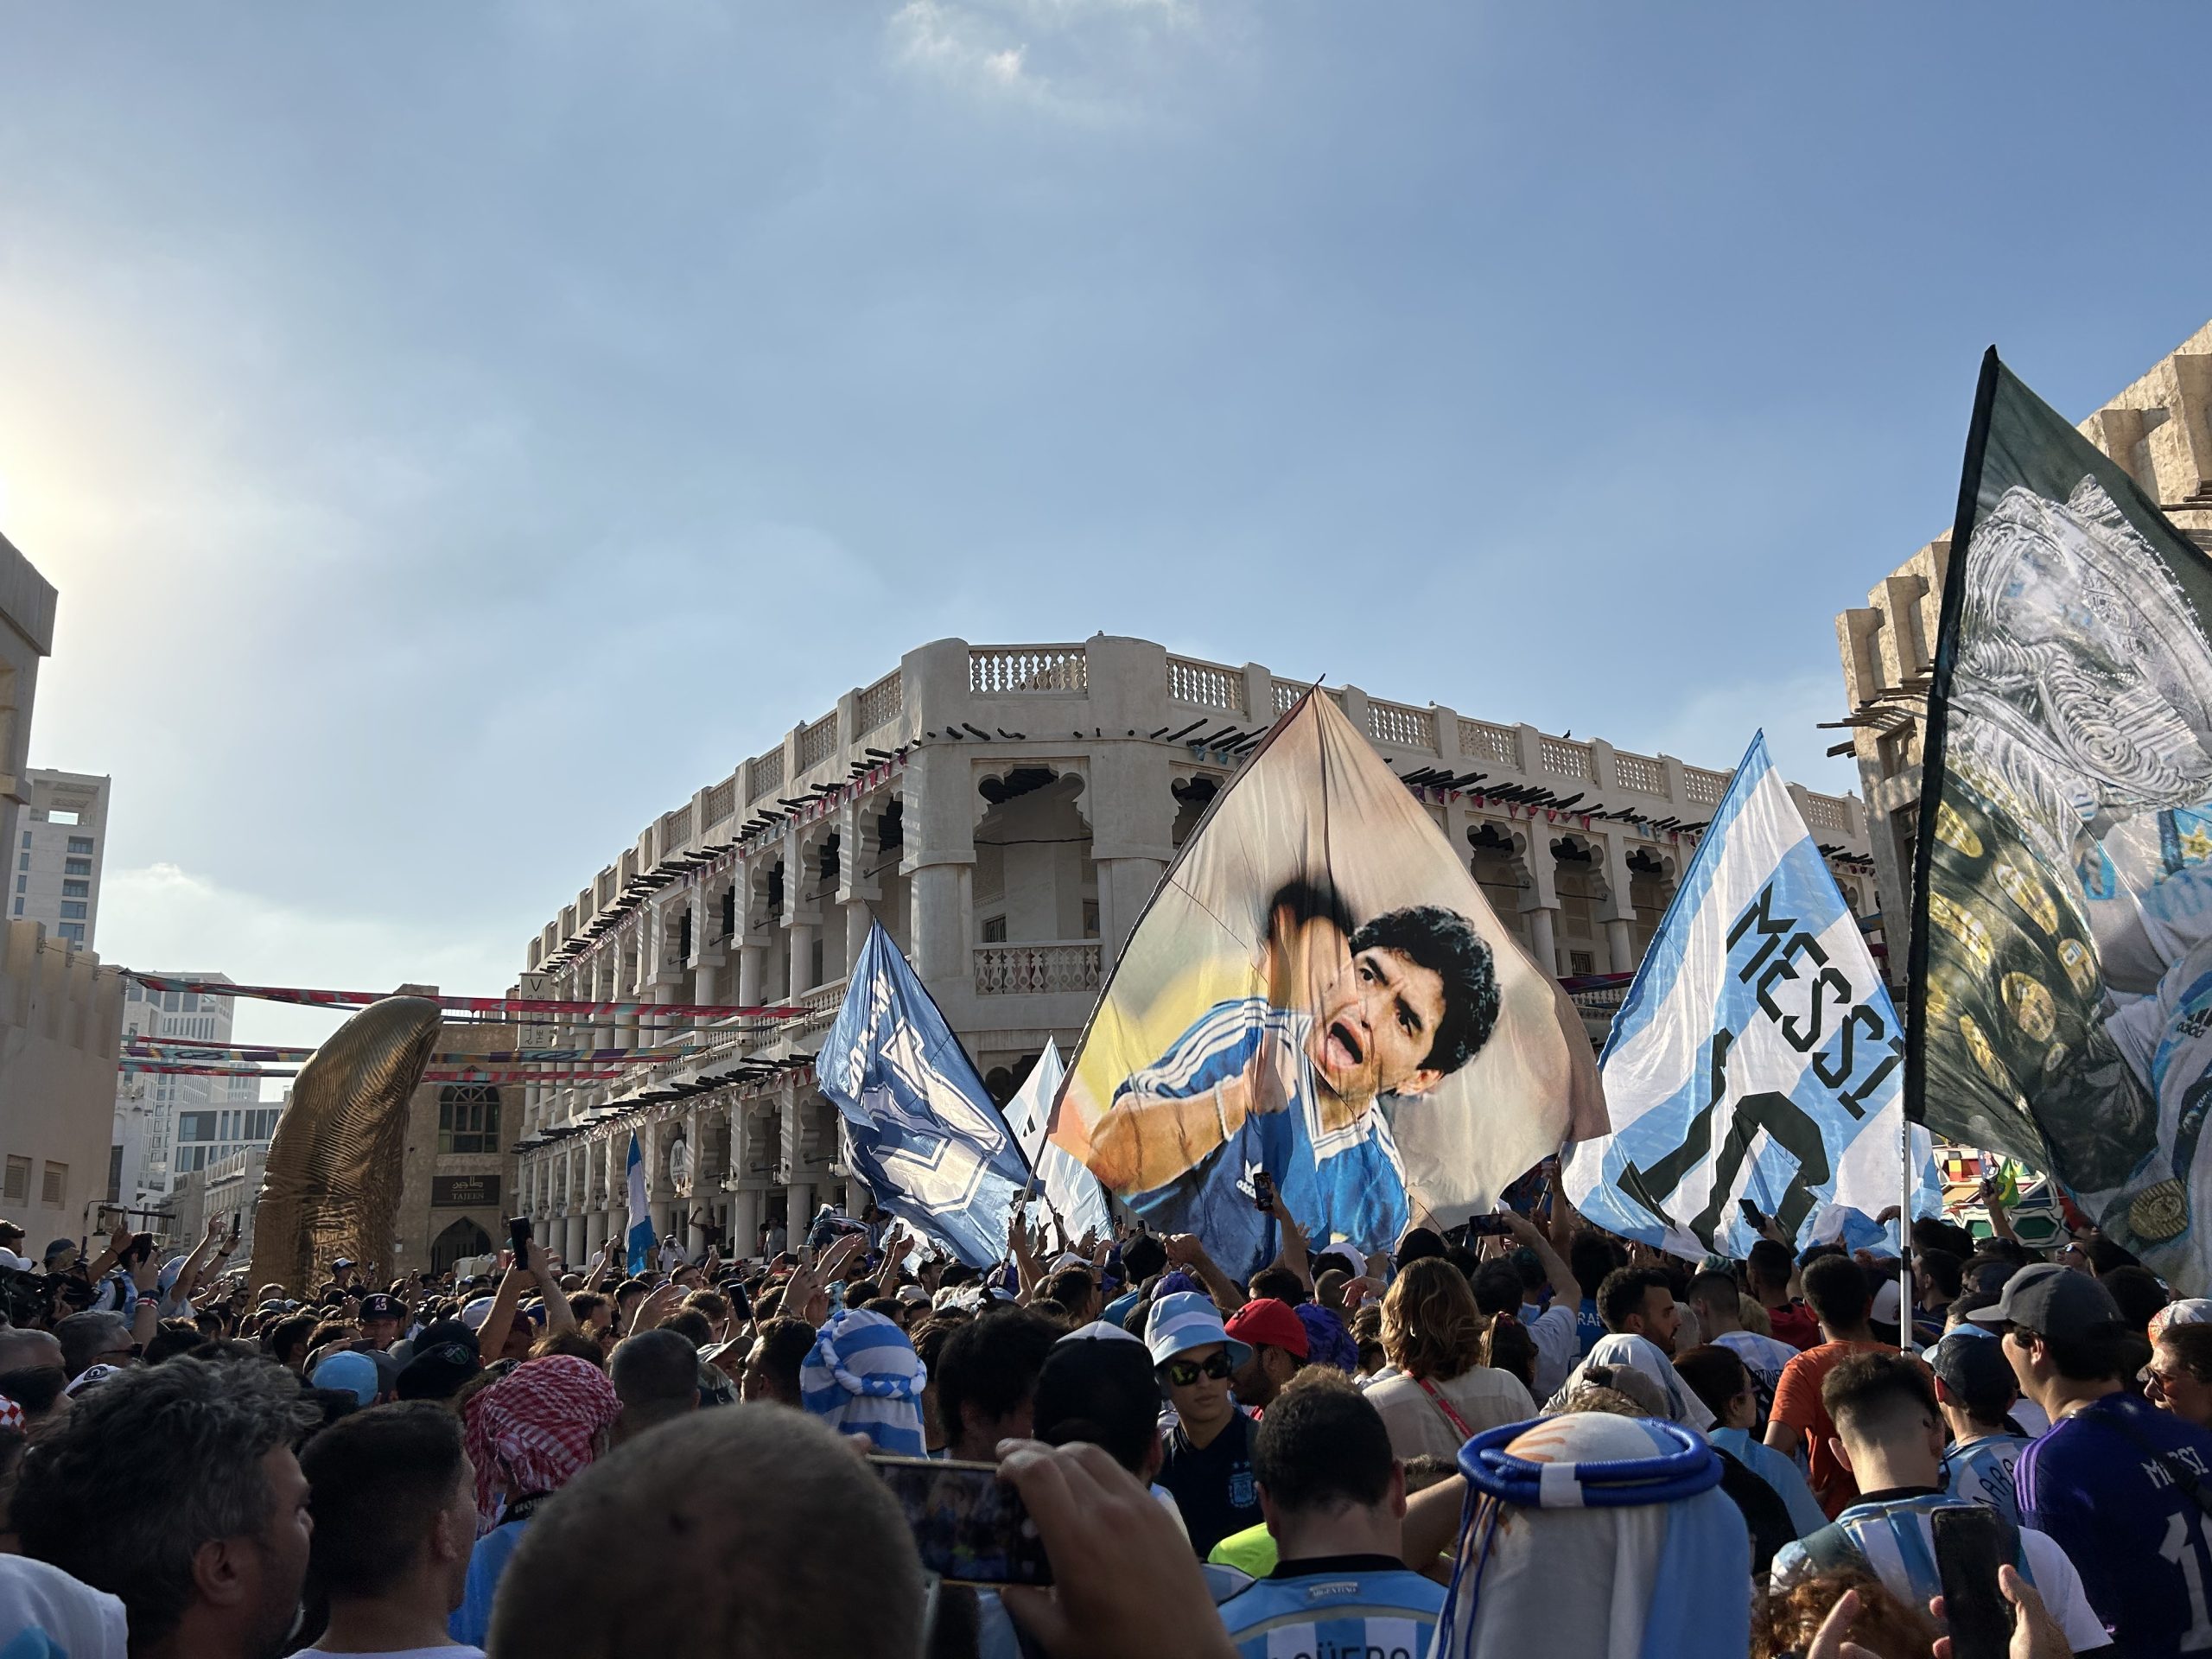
[(1558, 1346), (1762, 1357)]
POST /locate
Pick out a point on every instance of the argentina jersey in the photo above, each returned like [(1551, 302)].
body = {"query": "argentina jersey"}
[(1345, 1186), (1980, 1472), (1361, 1613), (1893, 1541)]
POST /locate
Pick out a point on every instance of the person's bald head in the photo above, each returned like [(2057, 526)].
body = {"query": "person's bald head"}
[(26, 1350), (713, 1526)]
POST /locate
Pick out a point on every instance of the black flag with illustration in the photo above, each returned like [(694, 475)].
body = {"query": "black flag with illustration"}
[(2062, 943)]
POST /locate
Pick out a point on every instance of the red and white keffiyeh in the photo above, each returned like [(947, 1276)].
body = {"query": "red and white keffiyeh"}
[(536, 1428)]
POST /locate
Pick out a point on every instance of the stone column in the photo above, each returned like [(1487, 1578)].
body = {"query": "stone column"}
[(1540, 898), (752, 959), (595, 1229), (1620, 908), (799, 1208), (1540, 944), (941, 807), (800, 936), (744, 1222), (574, 1250)]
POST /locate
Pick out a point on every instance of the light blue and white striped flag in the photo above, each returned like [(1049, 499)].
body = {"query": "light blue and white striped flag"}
[(1072, 1191), (641, 1216), (918, 1126), (1757, 1055)]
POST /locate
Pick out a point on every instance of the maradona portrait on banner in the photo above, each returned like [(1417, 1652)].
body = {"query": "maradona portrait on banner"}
[(1319, 1002)]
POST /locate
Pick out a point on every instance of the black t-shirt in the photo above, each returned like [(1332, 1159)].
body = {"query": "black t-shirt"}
[(1212, 1484)]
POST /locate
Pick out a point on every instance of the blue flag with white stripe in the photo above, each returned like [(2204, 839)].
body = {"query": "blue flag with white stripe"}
[(1757, 1055), (641, 1215), (918, 1127)]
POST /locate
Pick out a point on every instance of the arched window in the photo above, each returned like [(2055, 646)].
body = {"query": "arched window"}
[(463, 1239), (468, 1118)]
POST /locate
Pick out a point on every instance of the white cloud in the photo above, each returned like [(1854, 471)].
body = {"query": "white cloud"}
[(1714, 727), (162, 916), (984, 48)]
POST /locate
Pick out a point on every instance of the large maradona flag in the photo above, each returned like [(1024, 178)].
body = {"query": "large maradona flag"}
[(2061, 940), (918, 1127), (1755, 1057), (1318, 995)]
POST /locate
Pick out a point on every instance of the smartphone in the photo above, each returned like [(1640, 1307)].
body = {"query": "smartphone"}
[(234, 1226), (1750, 1211), (1263, 1192), (1970, 1545), (1489, 1227), (970, 1525), (518, 1236)]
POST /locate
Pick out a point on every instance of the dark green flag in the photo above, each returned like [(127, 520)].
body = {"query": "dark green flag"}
[(2061, 929)]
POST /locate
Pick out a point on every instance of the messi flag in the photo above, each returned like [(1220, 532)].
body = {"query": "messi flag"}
[(919, 1127), (2061, 929), (641, 1215), (1756, 1056), (1319, 994), (1072, 1191)]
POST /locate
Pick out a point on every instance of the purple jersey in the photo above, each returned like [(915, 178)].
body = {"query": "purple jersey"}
[(2100, 1483)]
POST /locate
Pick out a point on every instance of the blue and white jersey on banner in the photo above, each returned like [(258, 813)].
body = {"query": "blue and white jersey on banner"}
[(918, 1125), (1070, 1188), (641, 1240), (1756, 1055)]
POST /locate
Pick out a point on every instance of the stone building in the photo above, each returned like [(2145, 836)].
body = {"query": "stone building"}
[(460, 1171), (2160, 430), (1006, 811), (61, 1025)]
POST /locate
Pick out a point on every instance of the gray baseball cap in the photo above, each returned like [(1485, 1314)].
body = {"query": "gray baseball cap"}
[(2053, 1300)]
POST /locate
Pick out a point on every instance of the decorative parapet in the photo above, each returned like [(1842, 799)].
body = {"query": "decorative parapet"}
[(1205, 685), (1037, 969), (995, 670)]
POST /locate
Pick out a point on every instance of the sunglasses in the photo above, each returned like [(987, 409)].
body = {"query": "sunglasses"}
[(1181, 1373)]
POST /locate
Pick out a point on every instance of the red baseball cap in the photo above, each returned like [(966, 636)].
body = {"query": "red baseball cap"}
[(1272, 1321)]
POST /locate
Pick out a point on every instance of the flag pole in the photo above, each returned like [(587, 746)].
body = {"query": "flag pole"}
[(1904, 1230)]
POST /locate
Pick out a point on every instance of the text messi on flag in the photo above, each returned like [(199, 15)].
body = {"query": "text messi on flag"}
[(1756, 1057)]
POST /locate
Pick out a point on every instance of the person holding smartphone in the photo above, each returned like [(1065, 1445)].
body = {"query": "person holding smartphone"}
[(1891, 1432)]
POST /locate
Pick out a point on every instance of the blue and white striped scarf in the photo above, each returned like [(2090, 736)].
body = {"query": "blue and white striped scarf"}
[(863, 1378)]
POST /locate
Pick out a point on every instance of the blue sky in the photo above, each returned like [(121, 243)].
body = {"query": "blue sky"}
[(459, 432)]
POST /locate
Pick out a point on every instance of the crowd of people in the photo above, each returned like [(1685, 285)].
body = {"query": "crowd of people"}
[(1518, 1435)]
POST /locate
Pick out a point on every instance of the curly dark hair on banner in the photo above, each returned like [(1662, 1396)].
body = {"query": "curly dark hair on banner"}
[(1446, 943)]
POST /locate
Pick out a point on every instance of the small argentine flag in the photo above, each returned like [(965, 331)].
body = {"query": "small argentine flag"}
[(641, 1217)]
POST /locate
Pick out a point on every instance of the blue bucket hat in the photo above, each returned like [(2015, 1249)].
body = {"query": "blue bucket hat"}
[(1187, 1320)]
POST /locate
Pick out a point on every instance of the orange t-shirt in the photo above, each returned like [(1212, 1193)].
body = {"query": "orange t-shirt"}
[(1797, 1402)]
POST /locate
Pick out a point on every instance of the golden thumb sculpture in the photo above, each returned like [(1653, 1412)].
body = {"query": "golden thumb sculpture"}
[(330, 1187)]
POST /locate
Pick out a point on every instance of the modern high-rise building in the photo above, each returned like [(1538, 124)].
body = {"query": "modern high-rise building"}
[(59, 845), (168, 1125)]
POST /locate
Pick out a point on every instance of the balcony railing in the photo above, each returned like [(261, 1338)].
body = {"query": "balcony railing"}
[(881, 704), (994, 670), (764, 772), (1825, 813), (1639, 773), (1705, 788), (721, 801), (1036, 969), (1499, 745), (1204, 685), (1401, 726), (817, 742), (1567, 758)]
